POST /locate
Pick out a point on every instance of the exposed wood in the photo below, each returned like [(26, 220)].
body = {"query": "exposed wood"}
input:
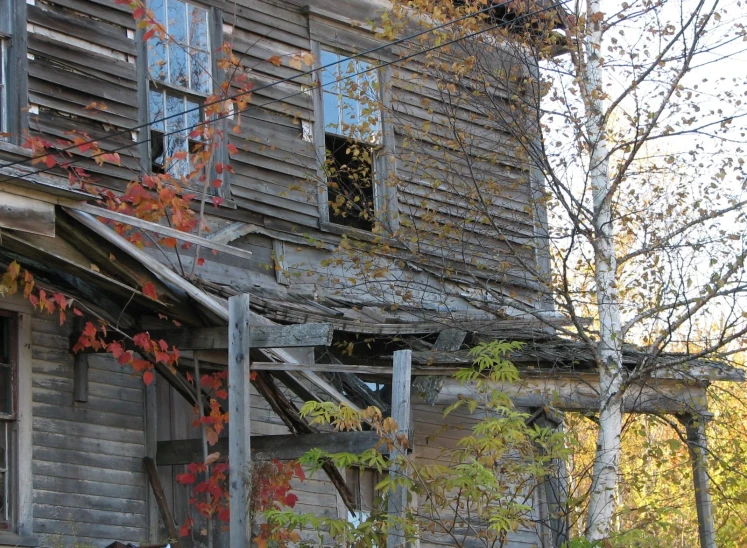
[(566, 354), (581, 393), (216, 338), (349, 368), (80, 378), (449, 340), (232, 232), (239, 427), (284, 447), (288, 412), (400, 413), (26, 215), (25, 426), (208, 301), (151, 448), (159, 229), (163, 507), (697, 443)]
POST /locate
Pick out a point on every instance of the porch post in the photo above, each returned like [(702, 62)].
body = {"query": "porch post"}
[(697, 443), (401, 376), (239, 428)]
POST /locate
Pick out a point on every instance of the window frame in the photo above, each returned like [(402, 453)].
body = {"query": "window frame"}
[(13, 57), (148, 83), (382, 165)]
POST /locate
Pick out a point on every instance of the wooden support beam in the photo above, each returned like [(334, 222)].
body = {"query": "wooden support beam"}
[(163, 507), (580, 392), (397, 505), (26, 215), (285, 447), (158, 229), (239, 427), (695, 426), (288, 412), (261, 336)]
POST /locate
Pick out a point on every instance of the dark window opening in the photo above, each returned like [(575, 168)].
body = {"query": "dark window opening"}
[(7, 393), (350, 189)]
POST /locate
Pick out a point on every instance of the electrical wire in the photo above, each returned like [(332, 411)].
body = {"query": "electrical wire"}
[(285, 80), (266, 86)]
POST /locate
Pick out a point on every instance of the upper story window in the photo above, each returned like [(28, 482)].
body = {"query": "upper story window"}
[(5, 38), (352, 136), (8, 371), (180, 71)]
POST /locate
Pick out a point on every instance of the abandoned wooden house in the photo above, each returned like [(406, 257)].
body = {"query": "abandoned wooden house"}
[(88, 452)]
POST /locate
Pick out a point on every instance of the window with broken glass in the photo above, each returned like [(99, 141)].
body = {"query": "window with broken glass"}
[(180, 74), (352, 136)]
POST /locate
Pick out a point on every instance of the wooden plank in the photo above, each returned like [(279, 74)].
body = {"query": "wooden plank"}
[(401, 381), (26, 215), (25, 426), (239, 428), (260, 336), (285, 447), (163, 507), (208, 301), (159, 229)]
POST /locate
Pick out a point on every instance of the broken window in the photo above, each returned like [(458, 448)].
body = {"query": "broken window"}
[(352, 134), (179, 67)]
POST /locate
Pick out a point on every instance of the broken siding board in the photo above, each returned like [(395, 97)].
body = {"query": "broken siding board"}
[(75, 500), (81, 26)]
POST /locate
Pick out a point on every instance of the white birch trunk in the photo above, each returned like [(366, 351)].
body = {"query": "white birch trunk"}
[(602, 501)]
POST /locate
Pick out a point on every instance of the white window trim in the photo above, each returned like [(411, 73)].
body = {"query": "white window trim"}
[(385, 198)]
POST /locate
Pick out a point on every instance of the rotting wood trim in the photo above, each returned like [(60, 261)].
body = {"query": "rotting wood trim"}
[(283, 447), (163, 507), (26, 214), (158, 229), (260, 336)]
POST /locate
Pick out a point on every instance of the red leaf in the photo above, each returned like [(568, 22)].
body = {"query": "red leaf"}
[(148, 35), (150, 291), (186, 479), (232, 148), (200, 261), (50, 161), (148, 378), (217, 201), (139, 13), (77, 312)]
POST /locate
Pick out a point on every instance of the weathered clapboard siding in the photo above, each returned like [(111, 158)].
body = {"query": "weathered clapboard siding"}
[(88, 481), (79, 56), (435, 435)]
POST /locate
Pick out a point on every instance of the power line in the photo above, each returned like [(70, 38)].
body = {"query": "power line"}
[(282, 99), (254, 90)]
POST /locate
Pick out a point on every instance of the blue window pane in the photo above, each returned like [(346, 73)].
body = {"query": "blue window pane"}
[(155, 109), (329, 75), (350, 114), (157, 62), (176, 141), (199, 47), (193, 118), (178, 59), (331, 112)]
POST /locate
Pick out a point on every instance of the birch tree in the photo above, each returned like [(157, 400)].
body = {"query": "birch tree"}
[(613, 132)]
